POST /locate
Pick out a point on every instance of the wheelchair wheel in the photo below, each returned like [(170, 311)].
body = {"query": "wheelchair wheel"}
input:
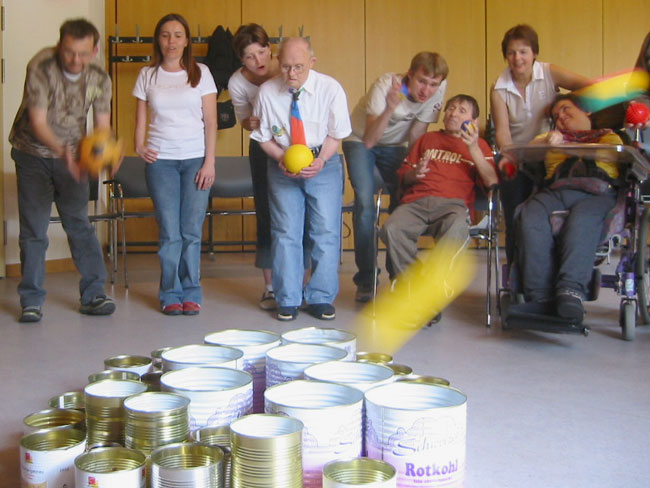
[(627, 319), (642, 268)]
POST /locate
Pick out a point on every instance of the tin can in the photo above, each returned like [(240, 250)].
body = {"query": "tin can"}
[(217, 437), (105, 408), (113, 374), (266, 451), (69, 399), (332, 417), (429, 380), (218, 395), (201, 355), (343, 339), (47, 457), (374, 357), (156, 357), (364, 472), (362, 376), (401, 369), (108, 467), (127, 362), (186, 465), (421, 430), (287, 363), (155, 419), (54, 418), (254, 344)]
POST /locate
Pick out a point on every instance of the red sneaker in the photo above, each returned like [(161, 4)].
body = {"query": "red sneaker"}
[(191, 308), (173, 309)]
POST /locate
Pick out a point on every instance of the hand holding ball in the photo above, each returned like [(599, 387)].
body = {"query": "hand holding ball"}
[(468, 126), (99, 150), (297, 157), (637, 113)]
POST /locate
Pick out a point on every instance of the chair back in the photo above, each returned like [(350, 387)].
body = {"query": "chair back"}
[(131, 178)]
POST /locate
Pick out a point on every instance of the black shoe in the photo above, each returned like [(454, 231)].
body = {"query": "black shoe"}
[(322, 311), (364, 293), (100, 305), (31, 314), (569, 305), (286, 314)]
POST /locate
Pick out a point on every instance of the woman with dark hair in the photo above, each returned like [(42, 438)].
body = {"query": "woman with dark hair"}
[(179, 95), (519, 101), (251, 43)]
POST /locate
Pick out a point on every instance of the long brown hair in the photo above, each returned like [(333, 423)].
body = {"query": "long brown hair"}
[(188, 63)]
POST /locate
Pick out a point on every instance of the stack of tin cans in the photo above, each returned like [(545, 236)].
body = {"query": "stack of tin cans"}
[(199, 421)]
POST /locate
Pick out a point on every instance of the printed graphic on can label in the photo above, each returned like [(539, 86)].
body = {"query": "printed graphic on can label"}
[(429, 452), (43, 469)]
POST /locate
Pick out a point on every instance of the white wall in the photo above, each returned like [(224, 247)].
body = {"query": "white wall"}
[(31, 25)]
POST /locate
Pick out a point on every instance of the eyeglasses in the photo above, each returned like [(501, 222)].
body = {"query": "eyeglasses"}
[(287, 68)]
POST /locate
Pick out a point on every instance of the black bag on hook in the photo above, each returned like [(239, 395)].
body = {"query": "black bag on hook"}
[(222, 62)]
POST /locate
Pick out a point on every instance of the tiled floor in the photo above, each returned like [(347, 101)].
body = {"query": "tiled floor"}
[(543, 410)]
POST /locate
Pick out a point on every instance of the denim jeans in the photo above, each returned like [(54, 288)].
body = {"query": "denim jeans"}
[(320, 199), (180, 210), (361, 163), (42, 181)]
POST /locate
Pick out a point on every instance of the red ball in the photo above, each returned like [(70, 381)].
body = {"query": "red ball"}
[(636, 113)]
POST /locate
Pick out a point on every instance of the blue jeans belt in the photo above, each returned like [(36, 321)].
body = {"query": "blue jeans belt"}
[(316, 150)]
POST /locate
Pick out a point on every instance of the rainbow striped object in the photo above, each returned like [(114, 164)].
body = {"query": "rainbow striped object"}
[(612, 89)]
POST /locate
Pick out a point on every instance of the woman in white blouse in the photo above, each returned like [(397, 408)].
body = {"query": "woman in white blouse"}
[(252, 45)]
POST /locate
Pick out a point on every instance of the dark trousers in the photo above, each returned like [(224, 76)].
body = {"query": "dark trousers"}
[(42, 181), (549, 263)]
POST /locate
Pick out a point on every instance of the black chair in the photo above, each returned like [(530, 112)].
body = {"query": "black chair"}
[(232, 180)]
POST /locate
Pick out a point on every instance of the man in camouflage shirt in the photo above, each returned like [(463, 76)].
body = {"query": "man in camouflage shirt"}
[(60, 88)]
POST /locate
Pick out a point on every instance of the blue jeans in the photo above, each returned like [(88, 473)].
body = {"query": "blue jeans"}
[(42, 181), (361, 163), (180, 210), (320, 198)]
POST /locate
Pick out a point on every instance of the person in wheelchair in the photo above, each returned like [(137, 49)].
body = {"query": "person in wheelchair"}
[(556, 264), (438, 179)]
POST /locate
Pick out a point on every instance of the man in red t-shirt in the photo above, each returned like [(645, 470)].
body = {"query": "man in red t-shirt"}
[(438, 178)]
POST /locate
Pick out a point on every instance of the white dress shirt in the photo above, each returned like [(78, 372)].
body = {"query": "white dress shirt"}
[(323, 108)]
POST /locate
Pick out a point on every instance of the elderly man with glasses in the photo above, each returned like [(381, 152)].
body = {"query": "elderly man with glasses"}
[(307, 107)]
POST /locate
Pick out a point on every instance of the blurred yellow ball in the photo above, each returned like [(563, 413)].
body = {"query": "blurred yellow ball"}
[(297, 157), (99, 150)]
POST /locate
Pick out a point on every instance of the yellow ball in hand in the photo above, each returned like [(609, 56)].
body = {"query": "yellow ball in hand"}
[(297, 157)]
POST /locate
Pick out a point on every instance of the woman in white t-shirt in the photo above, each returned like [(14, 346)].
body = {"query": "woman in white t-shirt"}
[(251, 44), (179, 95), (519, 100)]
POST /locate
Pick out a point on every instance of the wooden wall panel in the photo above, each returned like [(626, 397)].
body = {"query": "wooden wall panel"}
[(395, 31), (570, 33), (625, 25)]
